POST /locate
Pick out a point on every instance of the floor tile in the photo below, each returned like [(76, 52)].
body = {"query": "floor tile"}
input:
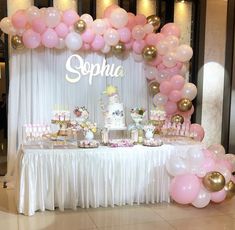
[(8, 221), (116, 217)]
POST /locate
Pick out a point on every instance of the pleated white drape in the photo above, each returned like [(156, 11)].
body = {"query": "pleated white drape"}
[(38, 85)]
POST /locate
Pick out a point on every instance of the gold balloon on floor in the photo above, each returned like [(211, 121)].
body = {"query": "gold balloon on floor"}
[(155, 21), (119, 48), (154, 88), (230, 189), (184, 105), (79, 26), (17, 43), (149, 53), (213, 181), (177, 118)]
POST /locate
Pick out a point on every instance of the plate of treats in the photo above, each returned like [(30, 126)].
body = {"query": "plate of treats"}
[(152, 142), (88, 144), (121, 143)]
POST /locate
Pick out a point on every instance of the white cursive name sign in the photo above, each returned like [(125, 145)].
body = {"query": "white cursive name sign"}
[(84, 68)]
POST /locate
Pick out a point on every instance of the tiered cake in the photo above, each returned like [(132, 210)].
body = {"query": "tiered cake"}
[(114, 112)]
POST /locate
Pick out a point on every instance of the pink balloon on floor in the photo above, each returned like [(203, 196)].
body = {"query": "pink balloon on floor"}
[(219, 196), (185, 188), (198, 130)]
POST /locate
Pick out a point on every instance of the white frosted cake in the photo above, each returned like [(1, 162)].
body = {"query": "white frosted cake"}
[(114, 112)]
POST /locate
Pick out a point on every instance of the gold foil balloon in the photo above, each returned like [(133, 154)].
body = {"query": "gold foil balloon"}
[(16, 42), (80, 26), (149, 53), (230, 189), (213, 181), (154, 88), (119, 48), (184, 105), (177, 118), (155, 21)]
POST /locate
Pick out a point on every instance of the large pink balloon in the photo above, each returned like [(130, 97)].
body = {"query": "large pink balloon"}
[(50, 38), (175, 95), (153, 39), (138, 46), (171, 29), (165, 87), (88, 36), (219, 196), (125, 34), (208, 165), (118, 18), (184, 189), (177, 82), (198, 130), (31, 39), (108, 10), (70, 17), (98, 43), (19, 19), (38, 25), (131, 21), (140, 19), (111, 37), (156, 61), (170, 107), (62, 30)]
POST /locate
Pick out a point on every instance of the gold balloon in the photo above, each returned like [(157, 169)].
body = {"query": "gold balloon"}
[(16, 42), (155, 21), (230, 189), (213, 181), (184, 105), (149, 53), (177, 118), (154, 88), (119, 48), (79, 26)]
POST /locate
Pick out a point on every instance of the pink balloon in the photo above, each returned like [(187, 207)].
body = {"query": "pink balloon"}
[(131, 21), (208, 153), (165, 87), (125, 34), (70, 17), (175, 95), (177, 82), (38, 25), (196, 128), (98, 43), (153, 39), (219, 196), (171, 29), (156, 61), (49, 38), (19, 19), (185, 188), (88, 36), (140, 19), (109, 10), (129, 45), (138, 32), (170, 108), (208, 164), (62, 30), (138, 46), (226, 164), (31, 39)]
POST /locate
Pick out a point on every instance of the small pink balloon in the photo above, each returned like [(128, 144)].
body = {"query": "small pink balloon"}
[(208, 153), (170, 107), (70, 17), (171, 29), (226, 164), (38, 25), (219, 196), (185, 188), (109, 10), (165, 87), (50, 38), (62, 30), (31, 39), (125, 34), (131, 21), (138, 32), (88, 36), (208, 164), (175, 95), (19, 19), (153, 39), (98, 43), (129, 45), (198, 130), (138, 46), (140, 19), (156, 61), (177, 82)]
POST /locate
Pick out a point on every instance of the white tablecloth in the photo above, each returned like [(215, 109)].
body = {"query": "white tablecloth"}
[(70, 178)]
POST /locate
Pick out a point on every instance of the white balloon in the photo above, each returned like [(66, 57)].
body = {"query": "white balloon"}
[(99, 26), (176, 166), (32, 13), (61, 44), (184, 53), (119, 18), (150, 72), (88, 19), (202, 200), (73, 41), (52, 17)]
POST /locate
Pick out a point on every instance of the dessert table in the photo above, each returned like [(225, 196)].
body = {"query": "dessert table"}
[(104, 176)]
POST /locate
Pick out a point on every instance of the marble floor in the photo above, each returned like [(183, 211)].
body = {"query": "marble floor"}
[(146, 217)]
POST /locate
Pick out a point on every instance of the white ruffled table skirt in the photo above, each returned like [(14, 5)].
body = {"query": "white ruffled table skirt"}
[(71, 178)]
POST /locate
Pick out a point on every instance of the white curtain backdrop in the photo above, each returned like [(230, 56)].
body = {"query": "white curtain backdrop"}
[(38, 86)]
